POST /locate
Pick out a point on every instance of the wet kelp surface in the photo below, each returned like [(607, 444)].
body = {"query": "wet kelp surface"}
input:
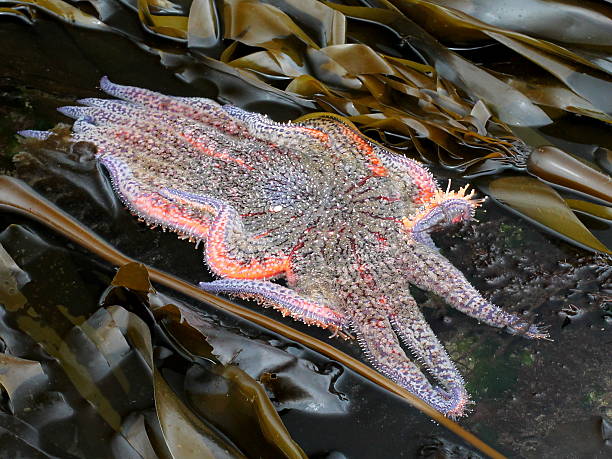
[(69, 394)]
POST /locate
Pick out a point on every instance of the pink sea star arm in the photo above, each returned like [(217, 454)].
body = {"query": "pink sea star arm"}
[(381, 346), (105, 119), (141, 197), (383, 162), (342, 135), (152, 206), (287, 301), (197, 217), (230, 251), (431, 271)]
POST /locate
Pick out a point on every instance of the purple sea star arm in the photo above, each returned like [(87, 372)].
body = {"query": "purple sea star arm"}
[(108, 112), (33, 134), (287, 301), (431, 271), (412, 328), (288, 135), (444, 213), (424, 238), (381, 346)]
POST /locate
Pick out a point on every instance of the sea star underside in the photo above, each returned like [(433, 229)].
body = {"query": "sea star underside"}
[(344, 221)]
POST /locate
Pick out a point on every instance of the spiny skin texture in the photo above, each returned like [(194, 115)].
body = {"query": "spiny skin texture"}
[(343, 220)]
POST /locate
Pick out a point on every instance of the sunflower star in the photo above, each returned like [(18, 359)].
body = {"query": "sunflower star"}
[(343, 220)]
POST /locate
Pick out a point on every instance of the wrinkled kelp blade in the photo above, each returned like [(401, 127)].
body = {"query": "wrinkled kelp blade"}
[(570, 21), (542, 204), (268, 435), (510, 106), (12, 278), (169, 26), (66, 12), (556, 166), (261, 424), (187, 436)]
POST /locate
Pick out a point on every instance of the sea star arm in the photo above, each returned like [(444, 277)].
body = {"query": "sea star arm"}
[(230, 251), (34, 134), (152, 206), (414, 171), (380, 344), (288, 135), (413, 330), (287, 301), (205, 111), (345, 139), (431, 271), (443, 208), (143, 199), (423, 237), (105, 119)]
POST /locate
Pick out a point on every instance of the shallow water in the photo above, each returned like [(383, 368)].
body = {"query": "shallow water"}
[(532, 399)]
